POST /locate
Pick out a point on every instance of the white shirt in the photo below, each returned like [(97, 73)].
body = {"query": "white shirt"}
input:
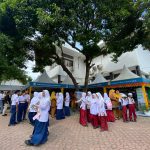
[(27, 97), (67, 101), (124, 102), (59, 102), (34, 101), (88, 98), (131, 100), (1, 96), (14, 99), (83, 103), (93, 107), (101, 108), (44, 108), (21, 99)]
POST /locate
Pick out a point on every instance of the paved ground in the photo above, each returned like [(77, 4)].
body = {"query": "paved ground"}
[(68, 134)]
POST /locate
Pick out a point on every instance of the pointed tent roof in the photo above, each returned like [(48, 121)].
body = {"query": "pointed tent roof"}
[(99, 78), (44, 78), (126, 74), (67, 81)]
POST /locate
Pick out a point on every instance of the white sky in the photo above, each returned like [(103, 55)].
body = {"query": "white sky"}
[(30, 65)]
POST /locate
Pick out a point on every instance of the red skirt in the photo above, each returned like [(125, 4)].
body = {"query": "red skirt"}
[(124, 113), (132, 112), (110, 116), (83, 117), (103, 123), (88, 115), (94, 121)]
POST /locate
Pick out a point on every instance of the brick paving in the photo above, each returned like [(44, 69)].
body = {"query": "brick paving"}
[(68, 134)]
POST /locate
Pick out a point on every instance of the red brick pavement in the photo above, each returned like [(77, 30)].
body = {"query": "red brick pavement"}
[(68, 134)]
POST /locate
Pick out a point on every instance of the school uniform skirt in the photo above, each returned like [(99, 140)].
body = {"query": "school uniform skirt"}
[(60, 114), (13, 115), (94, 121), (40, 133), (110, 116), (83, 117), (88, 115), (103, 123), (30, 116), (132, 112), (67, 111)]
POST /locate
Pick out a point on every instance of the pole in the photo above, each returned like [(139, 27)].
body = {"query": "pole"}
[(145, 96)]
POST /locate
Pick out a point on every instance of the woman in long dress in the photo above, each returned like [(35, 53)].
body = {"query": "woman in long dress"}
[(40, 132), (67, 103), (53, 104)]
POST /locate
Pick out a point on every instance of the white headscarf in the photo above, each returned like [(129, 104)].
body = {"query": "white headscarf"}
[(47, 95), (106, 98), (67, 95), (83, 96), (36, 94)]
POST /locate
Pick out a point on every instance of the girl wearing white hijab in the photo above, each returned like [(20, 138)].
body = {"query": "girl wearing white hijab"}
[(93, 111), (110, 113), (60, 113), (88, 98), (40, 132), (32, 110), (102, 112), (67, 103), (83, 111)]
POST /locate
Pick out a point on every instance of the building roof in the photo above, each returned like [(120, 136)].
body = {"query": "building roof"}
[(12, 82), (99, 78), (126, 74), (67, 81), (44, 78)]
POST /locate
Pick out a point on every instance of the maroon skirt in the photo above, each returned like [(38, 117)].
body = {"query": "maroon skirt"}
[(103, 123), (94, 121), (83, 117), (110, 116)]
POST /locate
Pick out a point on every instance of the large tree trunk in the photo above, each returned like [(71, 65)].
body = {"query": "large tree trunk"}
[(87, 75), (60, 62), (70, 75)]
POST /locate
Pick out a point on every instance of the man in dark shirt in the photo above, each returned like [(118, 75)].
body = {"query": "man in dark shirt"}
[(6, 103)]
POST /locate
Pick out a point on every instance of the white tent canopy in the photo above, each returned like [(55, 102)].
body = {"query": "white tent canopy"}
[(44, 78), (67, 81), (126, 74), (99, 78), (12, 82)]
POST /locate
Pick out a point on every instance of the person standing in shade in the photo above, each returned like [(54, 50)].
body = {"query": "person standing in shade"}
[(1, 102), (27, 101), (32, 110), (60, 113), (131, 107), (14, 108), (6, 103), (67, 103), (53, 104), (40, 132), (102, 115), (21, 107)]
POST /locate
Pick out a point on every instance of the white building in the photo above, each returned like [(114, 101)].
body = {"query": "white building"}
[(74, 62), (137, 61)]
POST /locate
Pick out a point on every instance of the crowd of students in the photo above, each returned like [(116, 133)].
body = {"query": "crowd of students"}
[(98, 110), (94, 108)]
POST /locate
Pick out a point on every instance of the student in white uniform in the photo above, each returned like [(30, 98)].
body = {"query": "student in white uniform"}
[(60, 113), (1, 102), (14, 109), (83, 110), (40, 132), (102, 115), (124, 102), (88, 98), (67, 103), (32, 110), (131, 107), (27, 101), (94, 112)]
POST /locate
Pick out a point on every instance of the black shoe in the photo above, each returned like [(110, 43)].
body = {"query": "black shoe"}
[(27, 142), (11, 125), (4, 115)]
